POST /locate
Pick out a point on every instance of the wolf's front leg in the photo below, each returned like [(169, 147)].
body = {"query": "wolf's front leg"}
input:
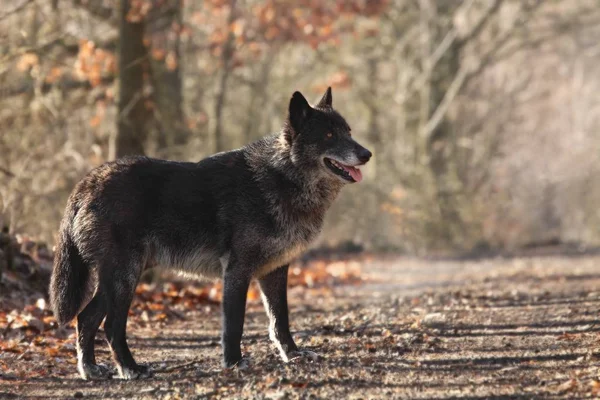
[(236, 280), (273, 289)]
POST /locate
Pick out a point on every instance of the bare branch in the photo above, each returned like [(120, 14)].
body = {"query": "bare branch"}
[(490, 12), (16, 9), (97, 9), (449, 96), (452, 35), (7, 172), (442, 48), (465, 73)]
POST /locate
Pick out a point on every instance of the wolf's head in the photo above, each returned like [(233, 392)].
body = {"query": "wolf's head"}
[(319, 139)]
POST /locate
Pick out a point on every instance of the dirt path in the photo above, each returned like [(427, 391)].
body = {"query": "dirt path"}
[(519, 328)]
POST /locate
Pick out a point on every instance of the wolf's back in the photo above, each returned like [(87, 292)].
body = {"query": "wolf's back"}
[(70, 275)]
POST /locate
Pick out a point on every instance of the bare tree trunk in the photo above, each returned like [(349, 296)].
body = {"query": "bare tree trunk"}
[(133, 115), (6, 256), (258, 94), (31, 36), (374, 131), (439, 156), (447, 76), (433, 148), (166, 76), (226, 58)]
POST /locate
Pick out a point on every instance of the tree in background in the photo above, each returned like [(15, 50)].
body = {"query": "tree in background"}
[(150, 91), (163, 31), (134, 115)]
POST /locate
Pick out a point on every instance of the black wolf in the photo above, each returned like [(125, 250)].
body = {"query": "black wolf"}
[(238, 215)]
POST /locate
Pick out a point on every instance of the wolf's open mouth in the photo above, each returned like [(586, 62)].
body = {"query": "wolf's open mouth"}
[(351, 174)]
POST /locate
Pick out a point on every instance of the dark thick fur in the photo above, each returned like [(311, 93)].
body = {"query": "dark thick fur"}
[(238, 215)]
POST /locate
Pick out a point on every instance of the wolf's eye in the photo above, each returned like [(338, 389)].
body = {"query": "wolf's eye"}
[(329, 134)]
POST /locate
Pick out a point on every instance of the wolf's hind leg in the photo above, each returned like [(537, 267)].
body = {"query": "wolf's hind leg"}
[(273, 289), (88, 322), (120, 292)]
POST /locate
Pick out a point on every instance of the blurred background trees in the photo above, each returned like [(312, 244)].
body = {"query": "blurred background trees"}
[(483, 114)]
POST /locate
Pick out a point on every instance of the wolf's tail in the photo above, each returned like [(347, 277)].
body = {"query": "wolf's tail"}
[(69, 284)]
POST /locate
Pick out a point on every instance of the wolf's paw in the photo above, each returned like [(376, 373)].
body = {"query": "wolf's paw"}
[(300, 355), (241, 365), (137, 372), (91, 372)]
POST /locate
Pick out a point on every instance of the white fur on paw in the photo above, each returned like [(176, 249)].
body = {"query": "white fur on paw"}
[(93, 371), (142, 372), (302, 355)]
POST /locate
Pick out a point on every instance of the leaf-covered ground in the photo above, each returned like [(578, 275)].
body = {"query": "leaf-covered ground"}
[(503, 328)]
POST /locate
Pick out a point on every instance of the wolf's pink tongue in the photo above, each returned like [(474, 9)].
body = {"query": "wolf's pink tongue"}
[(355, 173)]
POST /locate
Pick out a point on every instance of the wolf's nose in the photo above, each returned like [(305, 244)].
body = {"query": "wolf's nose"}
[(364, 155)]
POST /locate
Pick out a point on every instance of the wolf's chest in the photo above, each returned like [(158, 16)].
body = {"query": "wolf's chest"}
[(281, 258), (294, 234)]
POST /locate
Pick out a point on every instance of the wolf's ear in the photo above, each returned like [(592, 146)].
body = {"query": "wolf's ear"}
[(326, 99), (299, 111)]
